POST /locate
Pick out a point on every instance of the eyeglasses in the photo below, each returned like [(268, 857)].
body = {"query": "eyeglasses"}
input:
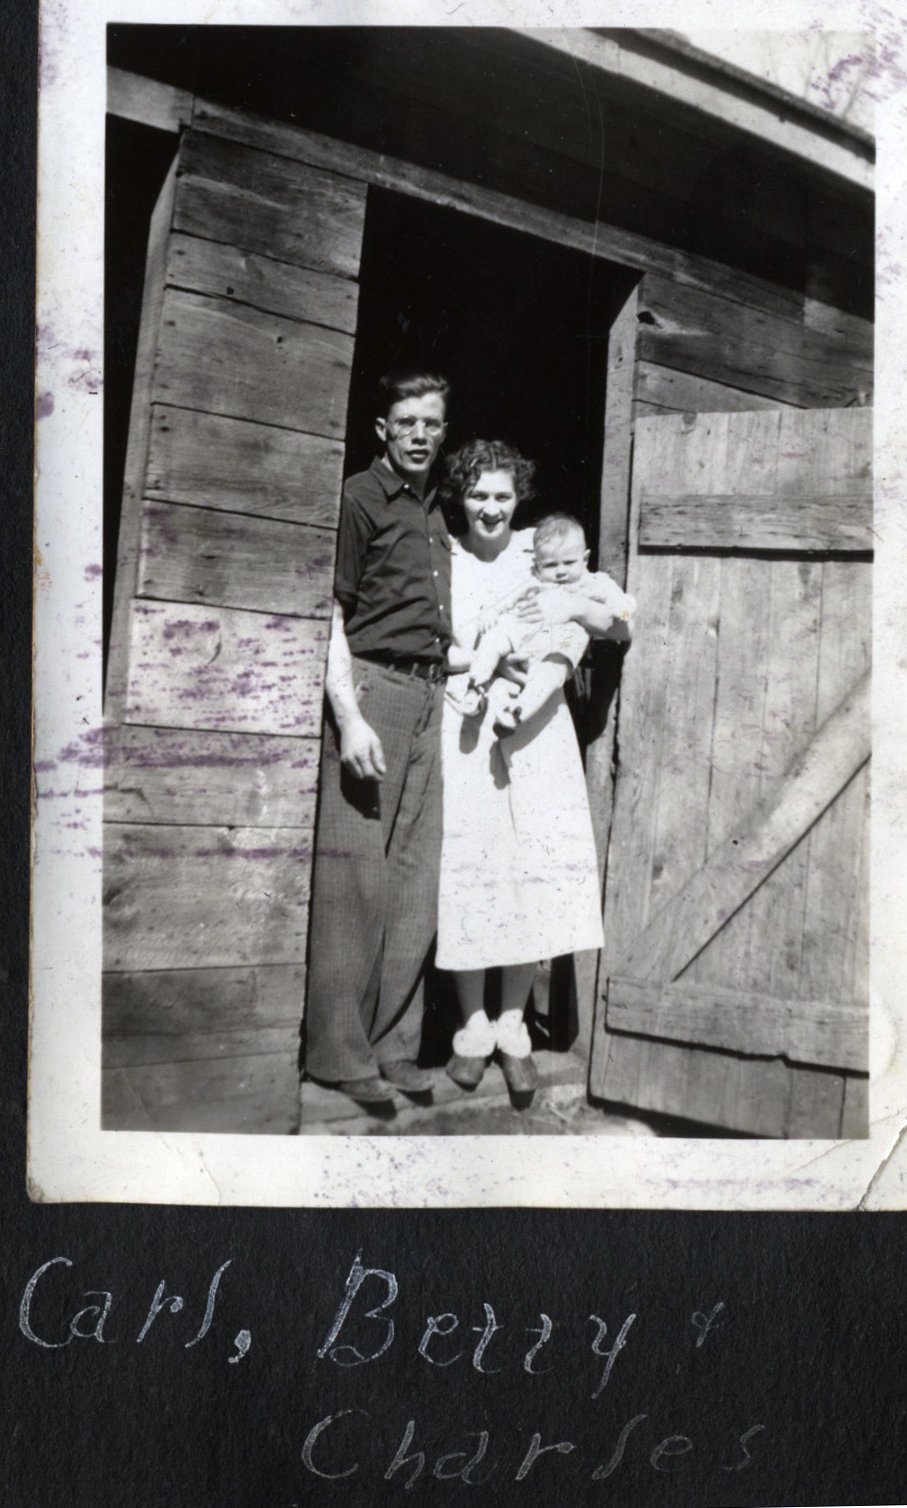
[(408, 426)]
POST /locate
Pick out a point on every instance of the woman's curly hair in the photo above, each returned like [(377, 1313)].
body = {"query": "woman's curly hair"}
[(464, 467)]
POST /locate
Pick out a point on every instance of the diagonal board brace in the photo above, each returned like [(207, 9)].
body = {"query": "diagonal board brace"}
[(759, 843)]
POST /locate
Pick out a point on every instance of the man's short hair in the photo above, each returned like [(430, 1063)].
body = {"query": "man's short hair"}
[(394, 386), (557, 526)]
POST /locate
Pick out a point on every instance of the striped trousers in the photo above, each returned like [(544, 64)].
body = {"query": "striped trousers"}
[(375, 884)]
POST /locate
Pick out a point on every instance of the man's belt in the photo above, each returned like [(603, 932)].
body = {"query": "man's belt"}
[(412, 665)]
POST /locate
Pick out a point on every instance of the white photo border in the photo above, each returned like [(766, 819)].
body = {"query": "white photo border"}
[(70, 1158)]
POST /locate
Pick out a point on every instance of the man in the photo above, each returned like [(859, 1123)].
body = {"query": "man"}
[(378, 838)]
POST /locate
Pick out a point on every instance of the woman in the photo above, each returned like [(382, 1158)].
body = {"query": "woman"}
[(519, 876)]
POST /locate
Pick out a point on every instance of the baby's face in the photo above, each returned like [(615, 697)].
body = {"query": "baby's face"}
[(561, 560)]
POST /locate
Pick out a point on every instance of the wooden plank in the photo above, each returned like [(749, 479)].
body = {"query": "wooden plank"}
[(263, 203), (855, 1113), (633, 833), (225, 271), (633, 830), (726, 341), (612, 557), (737, 755), (771, 924), (662, 389), (838, 323), (762, 1088), (836, 921), (204, 1002), (836, 897), (225, 669), (816, 1105), (655, 1076), (137, 451), (830, 1033), (256, 1095), (225, 358), (769, 931), (614, 498), (691, 452), (843, 154), (539, 105), (722, 67), (232, 560), (644, 688), (794, 604), (683, 792), (596, 237), (193, 897), (829, 452), (224, 779), (137, 1049), (811, 379), (121, 1108), (841, 523), (744, 861), (243, 467), (147, 101), (617, 1066), (836, 338)]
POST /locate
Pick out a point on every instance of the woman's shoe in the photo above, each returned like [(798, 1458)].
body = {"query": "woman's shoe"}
[(467, 1072), (520, 1074), (472, 1045)]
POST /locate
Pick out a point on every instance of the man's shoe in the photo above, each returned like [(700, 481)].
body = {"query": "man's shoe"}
[(371, 1091), (406, 1076)]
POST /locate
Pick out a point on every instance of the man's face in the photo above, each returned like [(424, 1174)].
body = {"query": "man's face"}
[(412, 434)]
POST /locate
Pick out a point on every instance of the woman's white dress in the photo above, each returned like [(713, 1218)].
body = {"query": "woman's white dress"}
[(519, 876)]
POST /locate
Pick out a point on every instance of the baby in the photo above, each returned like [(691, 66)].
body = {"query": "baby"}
[(560, 559)]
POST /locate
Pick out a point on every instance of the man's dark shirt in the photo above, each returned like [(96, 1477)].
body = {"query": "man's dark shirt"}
[(393, 567)]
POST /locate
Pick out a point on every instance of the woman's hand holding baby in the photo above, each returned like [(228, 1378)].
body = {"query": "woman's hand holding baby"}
[(546, 604)]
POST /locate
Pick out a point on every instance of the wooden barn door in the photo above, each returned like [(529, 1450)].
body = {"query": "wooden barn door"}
[(221, 614), (736, 910)]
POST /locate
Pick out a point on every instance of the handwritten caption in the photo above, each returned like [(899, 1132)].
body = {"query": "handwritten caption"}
[(364, 1315)]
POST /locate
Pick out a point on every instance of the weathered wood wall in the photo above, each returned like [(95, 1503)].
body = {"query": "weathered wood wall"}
[(224, 579), (236, 452), (736, 912), (531, 115), (716, 350)]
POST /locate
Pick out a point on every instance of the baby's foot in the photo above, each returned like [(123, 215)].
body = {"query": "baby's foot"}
[(507, 718), (469, 703)]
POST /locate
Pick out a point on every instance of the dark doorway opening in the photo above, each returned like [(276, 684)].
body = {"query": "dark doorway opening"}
[(519, 325)]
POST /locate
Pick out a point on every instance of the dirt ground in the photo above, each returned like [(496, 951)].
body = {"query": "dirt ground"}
[(554, 1112)]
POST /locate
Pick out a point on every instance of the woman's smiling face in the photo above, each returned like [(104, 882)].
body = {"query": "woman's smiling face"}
[(489, 505)]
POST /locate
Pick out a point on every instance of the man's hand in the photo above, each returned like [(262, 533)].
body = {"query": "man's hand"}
[(360, 750)]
